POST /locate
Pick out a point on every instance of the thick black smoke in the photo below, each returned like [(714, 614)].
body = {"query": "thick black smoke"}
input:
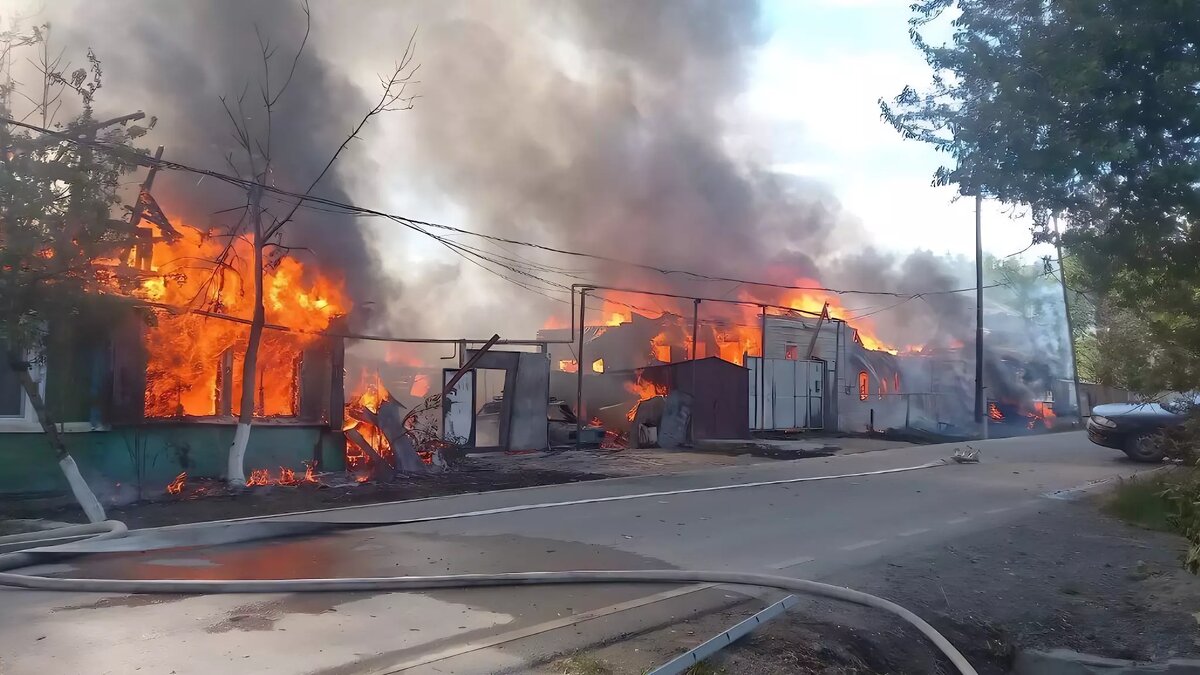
[(596, 126), (175, 59)]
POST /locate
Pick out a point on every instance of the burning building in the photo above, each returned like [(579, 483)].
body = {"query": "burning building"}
[(149, 386), (808, 366)]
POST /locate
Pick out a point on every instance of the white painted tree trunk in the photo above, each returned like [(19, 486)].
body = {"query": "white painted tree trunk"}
[(79, 487), (83, 494), (235, 472)]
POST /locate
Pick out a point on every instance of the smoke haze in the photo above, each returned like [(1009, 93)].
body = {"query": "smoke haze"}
[(596, 126)]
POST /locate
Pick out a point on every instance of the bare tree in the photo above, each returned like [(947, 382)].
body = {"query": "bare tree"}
[(266, 230)]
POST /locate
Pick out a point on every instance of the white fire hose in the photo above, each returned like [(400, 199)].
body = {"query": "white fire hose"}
[(28, 549)]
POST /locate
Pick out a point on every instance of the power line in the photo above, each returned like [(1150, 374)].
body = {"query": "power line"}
[(419, 225)]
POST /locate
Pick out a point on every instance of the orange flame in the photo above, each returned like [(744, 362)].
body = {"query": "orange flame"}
[(420, 386), (598, 366), (258, 477), (735, 329), (176, 486), (1043, 411), (310, 471), (644, 390), (660, 348), (556, 323), (189, 355)]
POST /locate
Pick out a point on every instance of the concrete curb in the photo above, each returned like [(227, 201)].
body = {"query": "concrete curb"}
[(1067, 662)]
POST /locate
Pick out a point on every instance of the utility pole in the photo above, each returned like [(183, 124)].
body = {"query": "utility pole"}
[(1062, 278), (980, 403), (695, 326), (579, 373)]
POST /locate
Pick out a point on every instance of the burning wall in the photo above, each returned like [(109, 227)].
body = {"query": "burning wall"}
[(193, 362)]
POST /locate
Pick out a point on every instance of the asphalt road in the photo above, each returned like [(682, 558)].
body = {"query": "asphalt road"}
[(808, 529)]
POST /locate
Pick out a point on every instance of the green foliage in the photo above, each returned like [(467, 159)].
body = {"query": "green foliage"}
[(1090, 110), (1183, 514), (1140, 501), (1169, 503), (58, 236)]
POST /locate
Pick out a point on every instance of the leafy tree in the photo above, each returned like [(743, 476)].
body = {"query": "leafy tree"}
[(1087, 109), (58, 236)]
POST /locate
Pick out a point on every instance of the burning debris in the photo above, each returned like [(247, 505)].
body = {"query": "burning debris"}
[(645, 391), (383, 440), (176, 486), (286, 477)]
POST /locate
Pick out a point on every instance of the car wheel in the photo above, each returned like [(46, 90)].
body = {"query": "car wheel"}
[(1145, 447)]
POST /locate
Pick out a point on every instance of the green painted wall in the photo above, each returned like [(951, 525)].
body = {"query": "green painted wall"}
[(157, 453)]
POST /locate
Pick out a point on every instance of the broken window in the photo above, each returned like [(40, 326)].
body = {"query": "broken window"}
[(896, 381), (791, 353), (864, 386), (883, 387)]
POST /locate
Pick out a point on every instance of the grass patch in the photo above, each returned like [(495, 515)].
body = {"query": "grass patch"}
[(580, 664), (1139, 501)]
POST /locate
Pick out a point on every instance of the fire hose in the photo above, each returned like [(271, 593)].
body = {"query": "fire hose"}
[(31, 548)]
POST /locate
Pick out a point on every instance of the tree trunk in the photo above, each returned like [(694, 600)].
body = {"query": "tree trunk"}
[(235, 471), (79, 487)]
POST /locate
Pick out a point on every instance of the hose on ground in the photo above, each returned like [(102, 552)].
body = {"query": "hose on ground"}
[(22, 553), (413, 583)]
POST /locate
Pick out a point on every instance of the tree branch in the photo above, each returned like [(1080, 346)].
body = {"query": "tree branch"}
[(393, 91)]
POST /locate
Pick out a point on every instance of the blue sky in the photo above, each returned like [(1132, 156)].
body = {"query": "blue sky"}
[(813, 94)]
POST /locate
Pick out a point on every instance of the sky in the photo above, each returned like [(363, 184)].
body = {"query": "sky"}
[(813, 101)]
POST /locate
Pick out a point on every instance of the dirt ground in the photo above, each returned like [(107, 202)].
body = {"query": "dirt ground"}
[(1070, 577), (217, 503)]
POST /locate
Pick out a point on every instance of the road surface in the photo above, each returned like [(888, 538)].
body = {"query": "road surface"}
[(807, 529)]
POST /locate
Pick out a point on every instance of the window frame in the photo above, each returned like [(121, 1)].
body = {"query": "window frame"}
[(27, 421)]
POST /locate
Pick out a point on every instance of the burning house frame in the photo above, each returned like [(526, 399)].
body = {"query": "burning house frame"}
[(144, 386), (95, 387)]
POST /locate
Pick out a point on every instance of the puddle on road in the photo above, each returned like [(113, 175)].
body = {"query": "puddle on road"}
[(378, 552)]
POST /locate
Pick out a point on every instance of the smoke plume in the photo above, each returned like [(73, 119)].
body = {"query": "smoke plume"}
[(176, 59), (595, 126)]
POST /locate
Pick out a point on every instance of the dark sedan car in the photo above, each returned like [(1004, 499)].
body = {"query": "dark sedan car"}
[(1137, 429)]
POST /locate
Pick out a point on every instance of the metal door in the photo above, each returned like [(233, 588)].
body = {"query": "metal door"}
[(783, 394), (458, 409), (809, 394), (792, 394)]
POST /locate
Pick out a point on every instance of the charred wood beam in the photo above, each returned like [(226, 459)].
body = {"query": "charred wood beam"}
[(391, 423), (381, 467)]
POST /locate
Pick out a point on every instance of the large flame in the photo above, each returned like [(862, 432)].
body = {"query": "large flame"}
[(185, 352), (644, 390), (735, 328), (1043, 413)]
